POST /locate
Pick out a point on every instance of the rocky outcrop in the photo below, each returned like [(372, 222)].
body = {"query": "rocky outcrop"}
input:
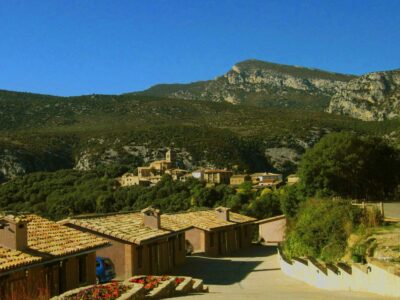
[(372, 97), (262, 83)]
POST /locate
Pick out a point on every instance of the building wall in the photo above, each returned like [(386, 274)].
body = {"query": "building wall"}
[(274, 231), (196, 238), (117, 253), (221, 242), (47, 280), (159, 257)]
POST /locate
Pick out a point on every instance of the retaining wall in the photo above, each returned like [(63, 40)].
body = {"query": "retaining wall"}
[(373, 277)]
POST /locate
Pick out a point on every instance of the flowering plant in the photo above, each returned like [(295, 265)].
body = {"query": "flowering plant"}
[(108, 291), (179, 280), (150, 282)]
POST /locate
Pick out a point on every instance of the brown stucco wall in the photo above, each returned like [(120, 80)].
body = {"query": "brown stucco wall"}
[(274, 231), (225, 241), (159, 257), (196, 238), (43, 281), (116, 252)]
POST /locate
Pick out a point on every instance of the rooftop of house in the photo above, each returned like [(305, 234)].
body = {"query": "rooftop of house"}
[(47, 239), (240, 176), (216, 171), (265, 174), (208, 219), (128, 227), (271, 219), (10, 259)]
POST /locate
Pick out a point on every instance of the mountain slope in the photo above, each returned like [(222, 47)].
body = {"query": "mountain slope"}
[(371, 97), (262, 83), (39, 133)]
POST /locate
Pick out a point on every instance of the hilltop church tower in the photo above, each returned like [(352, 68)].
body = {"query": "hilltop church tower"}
[(170, 156)]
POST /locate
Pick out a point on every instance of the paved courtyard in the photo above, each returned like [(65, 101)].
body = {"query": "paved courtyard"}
[(254, 274)]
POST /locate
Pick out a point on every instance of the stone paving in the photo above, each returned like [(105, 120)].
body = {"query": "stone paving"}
[(255, 274)]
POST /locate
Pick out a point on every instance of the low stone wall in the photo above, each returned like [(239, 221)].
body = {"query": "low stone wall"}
[(373, 277)]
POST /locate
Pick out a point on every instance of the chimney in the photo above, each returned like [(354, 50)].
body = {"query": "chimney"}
[(13, 233), (151, 217), (223, 213)]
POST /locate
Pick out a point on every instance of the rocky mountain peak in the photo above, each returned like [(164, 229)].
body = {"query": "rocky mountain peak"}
[(371, 97), (261, 83)]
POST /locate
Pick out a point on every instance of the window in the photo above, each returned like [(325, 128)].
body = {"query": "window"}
[(82, 269), (212, 239), (140, 256)]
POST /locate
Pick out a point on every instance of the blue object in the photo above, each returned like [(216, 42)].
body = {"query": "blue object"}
[(104, 269)]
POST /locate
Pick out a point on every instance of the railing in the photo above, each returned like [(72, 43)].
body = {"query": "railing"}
[(370, 205)]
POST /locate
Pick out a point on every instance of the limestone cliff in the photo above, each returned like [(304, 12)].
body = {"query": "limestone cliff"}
[(371, 97), (261, 83)]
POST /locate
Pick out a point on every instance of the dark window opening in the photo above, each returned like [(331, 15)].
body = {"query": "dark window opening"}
[(212, 239), (180, 242), (140, 256), (82, 269)]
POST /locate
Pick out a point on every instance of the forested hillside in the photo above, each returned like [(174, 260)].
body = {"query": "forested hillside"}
[(46, 133)]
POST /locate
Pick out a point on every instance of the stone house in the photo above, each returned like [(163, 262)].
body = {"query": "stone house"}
[(143, 242), (130, 179), (154, 172), (292, 179), (217, 176), (176, 174), (239, 179), (259, 177), (40, 258), (272, 230), (216, 232)]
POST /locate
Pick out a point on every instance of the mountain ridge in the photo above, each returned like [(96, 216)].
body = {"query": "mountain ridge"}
[(260, 83)]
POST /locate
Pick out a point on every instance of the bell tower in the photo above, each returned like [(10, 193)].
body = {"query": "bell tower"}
[(170, 156)]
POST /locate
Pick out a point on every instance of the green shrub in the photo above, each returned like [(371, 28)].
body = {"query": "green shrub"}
[(321, 229)]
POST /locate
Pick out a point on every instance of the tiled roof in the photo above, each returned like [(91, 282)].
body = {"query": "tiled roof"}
[(47, 239), (10, 259), (208, 219), (240, 176), (216, 171), (128, 226), (55, 239)]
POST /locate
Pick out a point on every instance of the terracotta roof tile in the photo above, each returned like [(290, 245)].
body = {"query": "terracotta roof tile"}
[(52, 238), (128, 226), (10, 259), (47, 239), (207, 219)]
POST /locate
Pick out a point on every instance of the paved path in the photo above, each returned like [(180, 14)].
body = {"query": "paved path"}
[(255, 274)]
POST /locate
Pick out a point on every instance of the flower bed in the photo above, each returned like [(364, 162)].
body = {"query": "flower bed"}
[(108, 291), (149, 282)]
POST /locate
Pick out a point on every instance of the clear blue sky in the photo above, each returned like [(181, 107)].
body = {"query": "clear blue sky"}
[(72, 47)]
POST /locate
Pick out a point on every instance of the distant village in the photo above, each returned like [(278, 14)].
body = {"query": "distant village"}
[(152, 174)]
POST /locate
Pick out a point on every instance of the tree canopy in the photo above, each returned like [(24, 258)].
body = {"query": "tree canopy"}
[(347, 165)]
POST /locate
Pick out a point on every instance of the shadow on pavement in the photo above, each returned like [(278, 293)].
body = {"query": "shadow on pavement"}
[(225, 271)]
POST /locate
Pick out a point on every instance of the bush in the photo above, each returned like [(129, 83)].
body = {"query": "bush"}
[(349, 166), (321, 229)]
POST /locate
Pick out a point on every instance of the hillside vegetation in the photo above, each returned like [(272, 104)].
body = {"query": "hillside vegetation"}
[(46, 133)]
